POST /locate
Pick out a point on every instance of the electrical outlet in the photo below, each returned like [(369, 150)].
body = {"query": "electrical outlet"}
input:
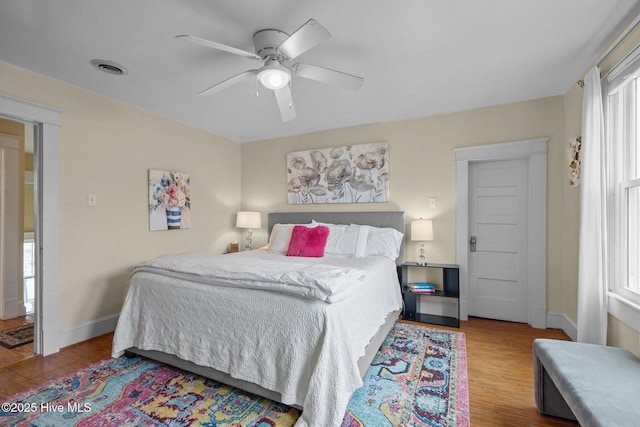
[(432, 202), (92, 200)]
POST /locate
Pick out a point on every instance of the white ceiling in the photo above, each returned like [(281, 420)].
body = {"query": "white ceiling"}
[(418, 57)]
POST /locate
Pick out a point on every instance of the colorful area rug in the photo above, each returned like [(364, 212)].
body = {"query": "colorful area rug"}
[(418, 378), (14, 337)]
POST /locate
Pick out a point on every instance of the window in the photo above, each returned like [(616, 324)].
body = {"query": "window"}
[(622, 121), (28, 273)]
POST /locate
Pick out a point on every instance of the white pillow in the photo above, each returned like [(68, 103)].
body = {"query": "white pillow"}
[(280, 236), (363, 236), (345, 240), (383, 241)]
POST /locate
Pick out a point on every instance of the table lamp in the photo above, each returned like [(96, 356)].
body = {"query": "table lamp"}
[(248, 220), (421, 230)]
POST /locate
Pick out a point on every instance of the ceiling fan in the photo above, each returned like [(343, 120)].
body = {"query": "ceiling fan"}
[(276, 48)]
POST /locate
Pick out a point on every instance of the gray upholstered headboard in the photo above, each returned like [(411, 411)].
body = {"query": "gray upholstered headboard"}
[(377, 219)]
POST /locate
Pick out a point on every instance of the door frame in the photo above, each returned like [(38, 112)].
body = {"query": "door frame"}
[(47, 216), (535, 151)]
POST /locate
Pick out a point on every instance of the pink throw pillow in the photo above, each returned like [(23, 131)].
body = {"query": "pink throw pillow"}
[(308, 241)]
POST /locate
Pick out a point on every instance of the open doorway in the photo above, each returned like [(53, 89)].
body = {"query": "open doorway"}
[(17, 240), (46, 125)]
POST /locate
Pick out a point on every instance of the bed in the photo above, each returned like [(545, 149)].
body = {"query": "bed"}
[(302, 340)]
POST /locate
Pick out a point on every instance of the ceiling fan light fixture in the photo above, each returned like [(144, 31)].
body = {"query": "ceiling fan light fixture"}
[(274, 76)]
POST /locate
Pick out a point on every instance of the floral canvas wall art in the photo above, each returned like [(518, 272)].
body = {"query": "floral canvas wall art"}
[(169, 200), (349, 174)]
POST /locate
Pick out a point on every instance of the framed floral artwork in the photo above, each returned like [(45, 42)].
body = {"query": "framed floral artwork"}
[(169, 200), (349, 174)]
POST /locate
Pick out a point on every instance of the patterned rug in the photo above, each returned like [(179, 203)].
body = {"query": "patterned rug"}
[(418, 378), (14, 337)]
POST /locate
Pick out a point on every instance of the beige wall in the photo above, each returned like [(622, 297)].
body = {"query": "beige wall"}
[(106, 148), (422, 165), (28, 195), (9, 127), (571, 209), (17, 129)]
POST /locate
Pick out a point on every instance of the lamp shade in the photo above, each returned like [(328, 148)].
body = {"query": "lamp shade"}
[(422, 230), (248, 220)]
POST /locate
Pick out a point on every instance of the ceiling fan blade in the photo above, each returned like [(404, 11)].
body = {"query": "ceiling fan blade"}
[(229, 82), (285, 103), (218, 46), (325, 75), (303, 39)]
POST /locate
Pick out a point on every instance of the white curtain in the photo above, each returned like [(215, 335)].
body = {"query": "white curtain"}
[(592, 267)]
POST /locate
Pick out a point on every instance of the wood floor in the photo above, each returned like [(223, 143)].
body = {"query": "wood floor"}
[(500, 373), (14, 355), (499, 358)]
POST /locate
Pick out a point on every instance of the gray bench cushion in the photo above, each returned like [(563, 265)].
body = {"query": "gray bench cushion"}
[(600, 385)]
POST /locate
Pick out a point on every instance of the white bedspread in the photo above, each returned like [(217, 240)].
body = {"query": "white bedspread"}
[(326, 278), (306, 349)]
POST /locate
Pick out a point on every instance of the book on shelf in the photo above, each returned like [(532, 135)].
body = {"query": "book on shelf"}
[(421, 287), (424, 291)]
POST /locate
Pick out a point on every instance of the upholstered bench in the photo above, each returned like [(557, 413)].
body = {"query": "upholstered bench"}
[(593, 384)]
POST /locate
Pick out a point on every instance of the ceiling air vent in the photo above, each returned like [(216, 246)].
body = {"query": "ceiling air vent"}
[(109, 67)]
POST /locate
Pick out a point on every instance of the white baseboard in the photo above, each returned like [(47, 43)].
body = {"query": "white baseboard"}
[(10, 308), (561, 321), (88, 330)]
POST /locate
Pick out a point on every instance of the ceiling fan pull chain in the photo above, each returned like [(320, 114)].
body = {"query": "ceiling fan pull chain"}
[(257, 92)]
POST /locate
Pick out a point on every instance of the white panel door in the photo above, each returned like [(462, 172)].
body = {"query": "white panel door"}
[(10, 233), (498, 197)]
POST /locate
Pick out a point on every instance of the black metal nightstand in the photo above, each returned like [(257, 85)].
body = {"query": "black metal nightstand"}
[(450, 289)]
